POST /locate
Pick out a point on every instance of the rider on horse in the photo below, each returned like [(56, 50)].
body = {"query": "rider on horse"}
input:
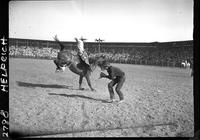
[(82, 53), (82, 67)]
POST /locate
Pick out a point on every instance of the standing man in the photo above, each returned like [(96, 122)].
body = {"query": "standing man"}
[(117, 77)]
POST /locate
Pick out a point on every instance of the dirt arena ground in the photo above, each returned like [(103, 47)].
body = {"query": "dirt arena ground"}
[(158, 102)]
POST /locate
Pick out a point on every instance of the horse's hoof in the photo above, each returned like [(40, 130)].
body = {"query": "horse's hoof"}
[(57, 71), (93, 90), (81, 88)]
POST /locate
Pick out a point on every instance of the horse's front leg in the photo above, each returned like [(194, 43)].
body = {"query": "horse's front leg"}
[(192, 73), (80, 82), (89, 82)]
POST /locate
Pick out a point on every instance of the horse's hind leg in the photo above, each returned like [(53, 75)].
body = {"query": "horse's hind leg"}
[(88, 81), (80, 82), (192, 73)]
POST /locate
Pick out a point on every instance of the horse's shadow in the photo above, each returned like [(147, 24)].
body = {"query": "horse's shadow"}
[(79, 96), (33, 85)]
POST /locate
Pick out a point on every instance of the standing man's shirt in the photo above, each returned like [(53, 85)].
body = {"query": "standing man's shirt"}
[(114, 72)]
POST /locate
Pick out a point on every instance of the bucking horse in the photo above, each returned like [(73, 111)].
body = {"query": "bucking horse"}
[(66, 58)]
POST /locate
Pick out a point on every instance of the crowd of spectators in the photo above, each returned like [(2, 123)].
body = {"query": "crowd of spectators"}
[(171, 57), (145, 55), (32, 52)]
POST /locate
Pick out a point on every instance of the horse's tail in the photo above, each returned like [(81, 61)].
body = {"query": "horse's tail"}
[(92, 62), (90, 69)]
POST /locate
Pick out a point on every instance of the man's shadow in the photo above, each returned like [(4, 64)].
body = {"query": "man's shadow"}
[(79, 96), (33, 85)]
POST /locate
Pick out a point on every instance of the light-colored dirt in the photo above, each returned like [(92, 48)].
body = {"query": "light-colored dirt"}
[(158, 102)]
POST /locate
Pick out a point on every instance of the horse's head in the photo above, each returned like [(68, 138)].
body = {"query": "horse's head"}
[(103, 64), (64, 59), (95, 61), (60, 66), (99, 61)]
